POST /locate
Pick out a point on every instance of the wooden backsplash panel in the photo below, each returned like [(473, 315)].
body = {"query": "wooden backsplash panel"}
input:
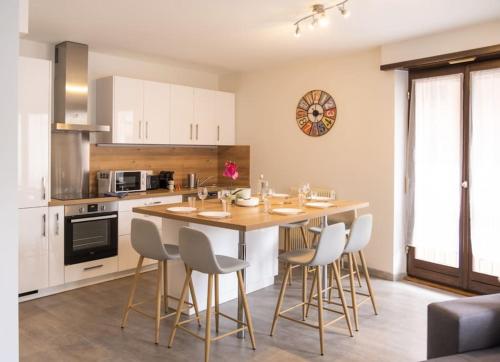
[(204, 161)]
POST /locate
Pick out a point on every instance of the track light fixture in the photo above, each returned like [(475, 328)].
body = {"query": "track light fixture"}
[(319, 16)]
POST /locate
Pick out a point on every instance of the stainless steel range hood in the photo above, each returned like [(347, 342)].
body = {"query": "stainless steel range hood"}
[(71, 89)]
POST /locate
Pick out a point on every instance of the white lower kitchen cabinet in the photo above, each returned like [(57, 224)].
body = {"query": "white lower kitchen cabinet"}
[(33, 249), (90, 269), (56, 245), (127, 256)]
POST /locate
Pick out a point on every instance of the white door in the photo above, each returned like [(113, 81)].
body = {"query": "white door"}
[(225, 118), (205, 131), (34, 90), (182, 115), (33, 249), (56, 245), (128, 121), (156, 112)]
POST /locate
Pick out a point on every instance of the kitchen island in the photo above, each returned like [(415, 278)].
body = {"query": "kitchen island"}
[(249, 234)]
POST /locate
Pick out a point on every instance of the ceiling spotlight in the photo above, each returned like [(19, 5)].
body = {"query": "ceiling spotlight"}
[(297, 30), (343, 11), (319, 16)]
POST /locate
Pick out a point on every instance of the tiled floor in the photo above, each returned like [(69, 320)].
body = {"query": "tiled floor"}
[(84, 325)]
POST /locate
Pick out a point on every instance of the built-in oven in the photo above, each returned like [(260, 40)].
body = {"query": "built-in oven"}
[(90, 232)]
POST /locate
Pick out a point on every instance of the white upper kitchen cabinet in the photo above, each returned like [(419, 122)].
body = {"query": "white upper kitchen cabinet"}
[(33, 249), (156, 98), (137, 111), (34, 94), (56, 245), (205, 130), (182, 128), (225, 118)]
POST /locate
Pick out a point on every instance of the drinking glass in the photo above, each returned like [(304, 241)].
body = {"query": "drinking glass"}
[(202, 194), (192, 201), (307, 190), (224, 205)]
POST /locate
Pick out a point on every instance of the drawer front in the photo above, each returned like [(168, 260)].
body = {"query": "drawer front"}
[(125, 221), (90, 269), (128, 205)]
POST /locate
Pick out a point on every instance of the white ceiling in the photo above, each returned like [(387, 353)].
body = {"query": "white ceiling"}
[(239, 35)]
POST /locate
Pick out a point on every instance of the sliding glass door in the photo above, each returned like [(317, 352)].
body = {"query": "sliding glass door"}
[(455, 176)]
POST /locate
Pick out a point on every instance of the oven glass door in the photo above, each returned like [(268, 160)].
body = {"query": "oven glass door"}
[(128, 181), (91, 237)]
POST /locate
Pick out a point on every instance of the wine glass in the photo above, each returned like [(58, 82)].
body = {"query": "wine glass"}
[(202, 194), (307, 190)]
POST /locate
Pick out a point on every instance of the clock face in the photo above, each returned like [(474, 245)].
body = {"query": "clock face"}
[(316, 113)]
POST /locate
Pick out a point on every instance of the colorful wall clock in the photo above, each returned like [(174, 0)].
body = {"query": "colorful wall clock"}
[(316, 113)]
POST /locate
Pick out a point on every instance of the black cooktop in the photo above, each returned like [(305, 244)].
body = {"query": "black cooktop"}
[(74, 196)]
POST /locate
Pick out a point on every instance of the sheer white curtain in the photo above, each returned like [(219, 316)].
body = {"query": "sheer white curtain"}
[(485, 171), (437, 117)]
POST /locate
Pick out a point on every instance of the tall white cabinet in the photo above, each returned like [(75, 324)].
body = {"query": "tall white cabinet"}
[(34, 94)]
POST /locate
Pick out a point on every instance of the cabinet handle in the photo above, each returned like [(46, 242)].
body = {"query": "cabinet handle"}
[(197, 131), (191, 131), (93, 267), (44, 230), (218, 133), (147, 127), (140, 129), (44, 193), (57, 224)]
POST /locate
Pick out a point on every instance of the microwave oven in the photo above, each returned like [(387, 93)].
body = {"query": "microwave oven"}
[(121, 181)]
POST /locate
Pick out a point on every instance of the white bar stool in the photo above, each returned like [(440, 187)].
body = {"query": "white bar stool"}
[(146, 241), (197, 253), (287, 240), (330, 247)]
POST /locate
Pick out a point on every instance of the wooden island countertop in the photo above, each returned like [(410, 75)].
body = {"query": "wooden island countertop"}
[(250, 218)]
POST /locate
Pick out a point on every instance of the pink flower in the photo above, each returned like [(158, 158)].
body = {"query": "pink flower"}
[(231, 170)]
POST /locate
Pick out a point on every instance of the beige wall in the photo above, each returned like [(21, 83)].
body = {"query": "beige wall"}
[(103, 65), (356, 157)]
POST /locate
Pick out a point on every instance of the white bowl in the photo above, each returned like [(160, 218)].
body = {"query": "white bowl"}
[(251, 202)]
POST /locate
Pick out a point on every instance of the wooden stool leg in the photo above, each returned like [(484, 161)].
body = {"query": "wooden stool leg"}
[(320, 307), (159, 287), (132, 291), (304, 291), (304, 237), (180, 305), (208, 312), (248, 316), (289, 247), (353, 293), (280, 299), (313, 285), (330, 291), (216, 303), (165, 285), (195, 301), (368, 281), (342, 298), (356, 268)]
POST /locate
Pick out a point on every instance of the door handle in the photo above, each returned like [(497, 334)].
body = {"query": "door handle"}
[(218, 133), (140, 129), (191, 131), (147, 127), (44, 193), (197, 131), (44, 229), (57, 224)]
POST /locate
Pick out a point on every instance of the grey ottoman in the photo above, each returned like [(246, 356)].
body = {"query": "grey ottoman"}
[(463, 325)]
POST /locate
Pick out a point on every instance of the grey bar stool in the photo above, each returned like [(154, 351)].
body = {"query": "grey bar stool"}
[(359, 237), (330, 247), (197, 253), (287, 240), (146, 241)]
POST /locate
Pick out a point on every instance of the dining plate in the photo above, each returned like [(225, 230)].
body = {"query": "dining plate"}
[(251, 202), (281, 196), (215, 214), (182, 209), (320, 198), (319, 205), (287, 211)]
